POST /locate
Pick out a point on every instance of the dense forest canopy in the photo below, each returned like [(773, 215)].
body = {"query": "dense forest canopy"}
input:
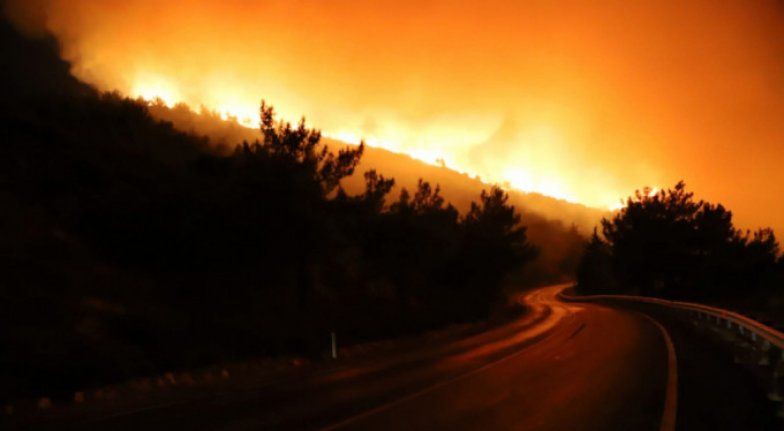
[(671, 245), (557, 228), (130, 247)]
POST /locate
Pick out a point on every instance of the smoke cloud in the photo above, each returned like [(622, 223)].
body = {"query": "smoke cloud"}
[(579, 100)]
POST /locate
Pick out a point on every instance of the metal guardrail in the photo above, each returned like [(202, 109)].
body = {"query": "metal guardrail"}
[(765, 344), (746, 326)]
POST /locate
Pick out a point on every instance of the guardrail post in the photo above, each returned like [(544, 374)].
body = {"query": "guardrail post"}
[(765, 351), (777, 387), (778, 379), (334, 343)]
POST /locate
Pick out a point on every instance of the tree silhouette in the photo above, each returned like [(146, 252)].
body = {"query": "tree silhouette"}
[(495, 242), (595, 268), (130, 247), (495, 223), (669, 244), (376, 189), (302, 146)]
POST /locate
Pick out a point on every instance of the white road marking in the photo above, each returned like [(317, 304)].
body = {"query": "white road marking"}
[(670, 411), (431, 388)]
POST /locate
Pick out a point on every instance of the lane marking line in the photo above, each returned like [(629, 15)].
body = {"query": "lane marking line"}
[(133, 412), (386, 406), (524, 324), (670, 412), (580, 329)]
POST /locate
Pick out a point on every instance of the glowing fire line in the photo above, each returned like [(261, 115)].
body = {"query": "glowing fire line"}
[(158, 88)]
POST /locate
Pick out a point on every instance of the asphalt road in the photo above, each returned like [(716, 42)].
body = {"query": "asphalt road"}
[(563, 366), (598, 369)]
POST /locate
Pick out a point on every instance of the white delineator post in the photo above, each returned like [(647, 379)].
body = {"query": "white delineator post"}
[(334, 345)]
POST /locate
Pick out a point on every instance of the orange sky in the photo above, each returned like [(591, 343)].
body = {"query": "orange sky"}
[(582, 100)]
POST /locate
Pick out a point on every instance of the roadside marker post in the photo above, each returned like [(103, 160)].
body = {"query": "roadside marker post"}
[(334, 345)]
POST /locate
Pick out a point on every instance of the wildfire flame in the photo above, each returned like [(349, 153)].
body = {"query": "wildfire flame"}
[(583, 103)]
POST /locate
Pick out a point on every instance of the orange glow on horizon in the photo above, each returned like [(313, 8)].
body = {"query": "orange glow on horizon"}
[(649, 192), (514, 179), (585, 102), (157, 87)]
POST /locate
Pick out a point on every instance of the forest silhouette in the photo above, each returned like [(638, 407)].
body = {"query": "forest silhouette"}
[(669, 244), (557, 228), (130, 248)]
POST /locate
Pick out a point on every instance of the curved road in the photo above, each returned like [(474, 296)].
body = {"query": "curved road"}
[(596, 369), (562, 366)]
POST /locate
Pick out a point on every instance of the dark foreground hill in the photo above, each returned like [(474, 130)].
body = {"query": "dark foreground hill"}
[(129, 247), (555, 226)]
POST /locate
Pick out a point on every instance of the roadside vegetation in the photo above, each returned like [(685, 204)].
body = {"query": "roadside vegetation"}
[(558, 229), (130, 248), (671, 245)]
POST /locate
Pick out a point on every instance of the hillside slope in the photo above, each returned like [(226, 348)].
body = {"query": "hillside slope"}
[(557, 228), (458, 188)]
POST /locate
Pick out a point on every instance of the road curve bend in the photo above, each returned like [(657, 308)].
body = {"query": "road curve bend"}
[(562, 366), (597, 368)]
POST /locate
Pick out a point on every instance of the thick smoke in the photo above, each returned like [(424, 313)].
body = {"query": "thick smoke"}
[(583, 100)]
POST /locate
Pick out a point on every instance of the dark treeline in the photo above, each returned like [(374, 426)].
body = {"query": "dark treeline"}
[(129, 248), (670, 245), (557, 228)]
